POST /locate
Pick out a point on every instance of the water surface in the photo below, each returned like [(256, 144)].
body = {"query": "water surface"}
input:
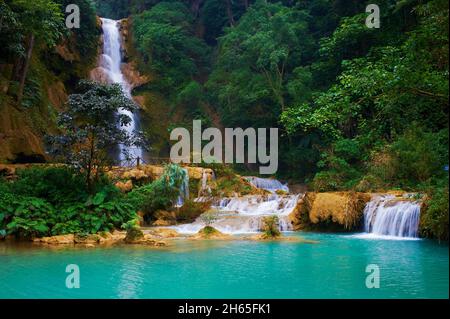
[(332, 268)]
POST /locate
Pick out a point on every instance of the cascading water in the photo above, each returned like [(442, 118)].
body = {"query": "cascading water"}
[(110, 64), (245, 214), (184, 190), (205, 189), (389, 216), (271, 185)]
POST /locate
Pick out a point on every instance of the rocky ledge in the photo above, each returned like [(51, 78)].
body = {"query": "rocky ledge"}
[(114, 238)]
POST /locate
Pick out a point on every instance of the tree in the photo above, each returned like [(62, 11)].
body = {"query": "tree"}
[(165, 39), (92, 128), (41, 22), (209, 218), (255, 59)]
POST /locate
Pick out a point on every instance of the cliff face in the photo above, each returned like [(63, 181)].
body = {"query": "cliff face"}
[(334, 211), (53, 73)]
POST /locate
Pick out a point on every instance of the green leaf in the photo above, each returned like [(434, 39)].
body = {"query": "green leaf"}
[(99, 198)]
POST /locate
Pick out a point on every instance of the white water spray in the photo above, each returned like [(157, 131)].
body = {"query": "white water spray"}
[(184, 190), (236, 215), (387, 215), (268, 184), (110, 64)]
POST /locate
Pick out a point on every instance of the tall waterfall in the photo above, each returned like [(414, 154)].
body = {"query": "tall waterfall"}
[(111, 62), (387, 215)]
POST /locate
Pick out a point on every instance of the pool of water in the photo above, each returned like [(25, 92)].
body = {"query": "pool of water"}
[(334, 267)]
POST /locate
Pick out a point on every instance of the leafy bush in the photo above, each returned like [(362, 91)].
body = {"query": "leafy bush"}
[(434, 217), (338, 172), (56, 184), (209, 218), (53, 201), (159, 195), (30, 217), (270, 226), (414, 158)]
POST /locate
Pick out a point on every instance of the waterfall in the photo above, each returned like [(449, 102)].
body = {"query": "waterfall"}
[(271, 185), (245, 214), (390, 216), (184, 190), (110, 65), (205, 189)]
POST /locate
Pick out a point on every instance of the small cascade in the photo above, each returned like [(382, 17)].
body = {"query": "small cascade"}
[(110, 72), (245, 214), (205, 189), (268, 184), (184, 190), (391, 216)]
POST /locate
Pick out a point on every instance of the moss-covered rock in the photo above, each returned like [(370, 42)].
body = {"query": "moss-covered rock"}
[(332, 211), (134, 235), (209, 232)]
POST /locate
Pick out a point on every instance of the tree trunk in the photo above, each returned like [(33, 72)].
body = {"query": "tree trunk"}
[(230, 13), (246, 4), (25, 69), (195, 7)]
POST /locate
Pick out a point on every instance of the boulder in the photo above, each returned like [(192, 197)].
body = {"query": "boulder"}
[(134, 235), (209, 232), (164, 233), (56, 240), (88, 239), (330, 211), (135, 174)]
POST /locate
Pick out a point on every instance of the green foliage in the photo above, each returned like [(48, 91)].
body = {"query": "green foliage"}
[(56, 184), (191, 210), (416, 158), (54, 201), (161, 194), (255, 58), (165, 39), (209, 218), (11, 40), (42, 18), (434, 217), (92, 129), (270, 227), (30, 216), (86, 37)]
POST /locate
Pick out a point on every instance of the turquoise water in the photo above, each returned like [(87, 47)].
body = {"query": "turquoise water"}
[(332, 268)]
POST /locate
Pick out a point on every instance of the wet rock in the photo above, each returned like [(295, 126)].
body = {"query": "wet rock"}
[(164, 233), (164, 218), (88, 239), (134, 235), (56, 240), (340, 211), (209, 232), (135, 174)]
